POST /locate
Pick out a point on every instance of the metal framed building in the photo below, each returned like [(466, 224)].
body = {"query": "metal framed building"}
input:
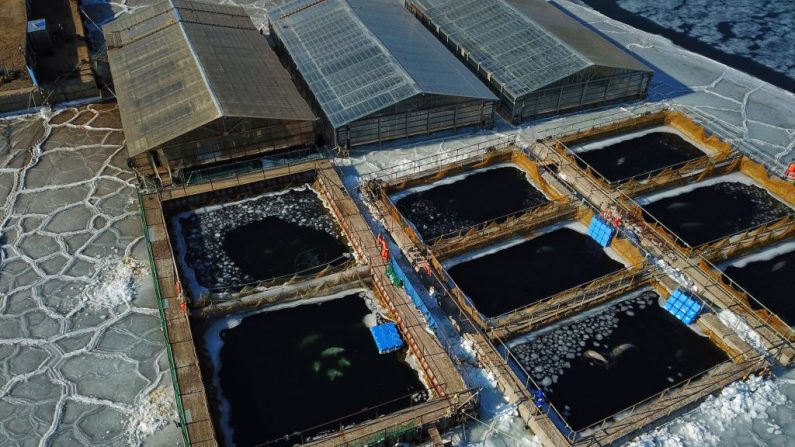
[(536, 58), (198, 85), (374, 72)]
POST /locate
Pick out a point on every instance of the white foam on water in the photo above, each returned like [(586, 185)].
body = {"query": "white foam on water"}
[(397, 195), (601, 144), (762, 255), (736, 177), (213, 229)]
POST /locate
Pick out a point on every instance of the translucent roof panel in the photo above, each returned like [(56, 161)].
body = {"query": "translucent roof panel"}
[(427, 61), (361, 56), (181, 64), (522, 54)]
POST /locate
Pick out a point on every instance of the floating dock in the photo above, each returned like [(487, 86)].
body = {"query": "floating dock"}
[(450, 395), (657, 253)]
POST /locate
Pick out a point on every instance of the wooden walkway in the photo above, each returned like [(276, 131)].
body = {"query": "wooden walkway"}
[(487, 355), (516, 392), (664, 248), (450, 391), (191, 391), (432, 356)]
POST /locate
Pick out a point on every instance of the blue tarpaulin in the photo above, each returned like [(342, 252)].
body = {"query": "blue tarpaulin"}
[(415, 297), (387, 337)]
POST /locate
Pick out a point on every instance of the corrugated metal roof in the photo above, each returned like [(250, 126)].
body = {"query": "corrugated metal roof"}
[(181, 64), (524, 44), (361, 56)]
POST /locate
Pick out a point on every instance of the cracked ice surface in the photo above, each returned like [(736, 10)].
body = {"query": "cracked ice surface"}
[(82, 355)]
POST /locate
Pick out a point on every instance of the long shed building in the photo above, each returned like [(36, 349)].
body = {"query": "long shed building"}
[(375, 72), (198, 86), (539, 60)]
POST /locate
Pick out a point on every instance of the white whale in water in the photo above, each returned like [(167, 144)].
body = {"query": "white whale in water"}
[(607, 359)]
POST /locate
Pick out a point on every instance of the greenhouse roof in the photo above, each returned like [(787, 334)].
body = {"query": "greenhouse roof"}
[(524, 44), (361, 56), (181, 64)]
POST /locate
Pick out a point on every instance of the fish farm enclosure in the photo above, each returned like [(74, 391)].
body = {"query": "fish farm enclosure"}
[(522, 274), (768, 276), (584, 281), (597, 364), (270, 236), (287, 301), (303, 369), (460, 202), (634, 157), (713, 210)]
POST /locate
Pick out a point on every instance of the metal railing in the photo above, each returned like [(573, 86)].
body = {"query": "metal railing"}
[(577, 297), (227, 170), (692, 387), (458, 157), (620, 200), (770, 319), (369, 415), (235, 174), (553, 209), (164, 326), (236, 291), (594, 121)]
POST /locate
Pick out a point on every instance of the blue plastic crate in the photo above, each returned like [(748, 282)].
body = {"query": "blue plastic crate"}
[(387, 337), (683, 306), (601, 231)]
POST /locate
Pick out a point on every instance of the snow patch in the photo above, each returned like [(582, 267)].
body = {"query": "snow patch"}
[(601, 144), (153, 411), (113, 284), (736, 324)]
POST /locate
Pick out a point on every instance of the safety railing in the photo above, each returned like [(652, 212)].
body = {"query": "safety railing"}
[(594, 122), (709, 248), (458, 157), (660, 239), (674, 398), (237, 291), (564, 303), (161, 310), (228, 176), (545, 213), (237, 168), (748, 303), (428, 410)]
